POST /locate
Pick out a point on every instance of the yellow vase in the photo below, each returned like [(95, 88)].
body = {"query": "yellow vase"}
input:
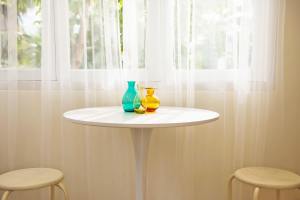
[(150, 102)]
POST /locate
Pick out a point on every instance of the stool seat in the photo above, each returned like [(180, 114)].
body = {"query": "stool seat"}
[(268, 177), (31, 178)]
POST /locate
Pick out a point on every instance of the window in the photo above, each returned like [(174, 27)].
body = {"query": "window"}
[(20, 34), (213, 35)]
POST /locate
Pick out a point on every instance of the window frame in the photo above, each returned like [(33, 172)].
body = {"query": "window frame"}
[(20, 74), (199, 75)]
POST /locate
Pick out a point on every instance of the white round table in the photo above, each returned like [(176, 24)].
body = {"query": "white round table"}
[(141, 127)]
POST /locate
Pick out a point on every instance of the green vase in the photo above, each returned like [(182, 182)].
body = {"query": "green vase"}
[(131, 99)]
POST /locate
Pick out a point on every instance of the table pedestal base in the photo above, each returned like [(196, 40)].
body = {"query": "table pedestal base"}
[(141, 139)]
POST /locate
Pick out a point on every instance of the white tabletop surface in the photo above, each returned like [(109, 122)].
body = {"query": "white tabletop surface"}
[(162, 117)]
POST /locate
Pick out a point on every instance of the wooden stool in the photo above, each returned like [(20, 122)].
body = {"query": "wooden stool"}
[(264, 177), (32, 178)]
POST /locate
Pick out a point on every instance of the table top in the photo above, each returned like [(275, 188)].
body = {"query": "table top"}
[(162, 117)]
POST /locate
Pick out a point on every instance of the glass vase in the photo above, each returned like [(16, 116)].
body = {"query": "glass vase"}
[(131, 99), (150, 102)]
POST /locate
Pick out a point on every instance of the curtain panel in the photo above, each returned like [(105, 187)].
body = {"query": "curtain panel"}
[(223, 55)]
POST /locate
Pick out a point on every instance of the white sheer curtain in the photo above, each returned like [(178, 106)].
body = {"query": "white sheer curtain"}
[(223, 55)]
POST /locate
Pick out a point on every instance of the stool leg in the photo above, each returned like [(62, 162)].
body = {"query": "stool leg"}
[(52, 192), (255, 194), (277, 194), (63, 188), (229, 192), (5, 195)]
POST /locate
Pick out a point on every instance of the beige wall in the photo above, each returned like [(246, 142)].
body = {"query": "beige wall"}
[(110, 165), (292, 72), (291, 133), (283, 150)]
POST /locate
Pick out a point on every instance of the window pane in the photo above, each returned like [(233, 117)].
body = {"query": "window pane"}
[(219, 35), (29, 33), (87, 21)]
